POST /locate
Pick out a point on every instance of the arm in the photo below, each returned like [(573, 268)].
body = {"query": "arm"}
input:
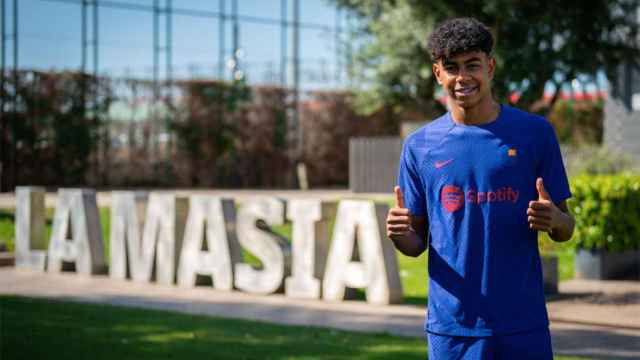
[(545, 214), (564, 224)]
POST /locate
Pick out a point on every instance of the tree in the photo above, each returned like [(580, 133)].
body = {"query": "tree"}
[(537, 42)]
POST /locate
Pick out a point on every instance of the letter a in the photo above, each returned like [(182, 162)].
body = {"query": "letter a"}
[(214, 220), (76, 208), (378, 269)]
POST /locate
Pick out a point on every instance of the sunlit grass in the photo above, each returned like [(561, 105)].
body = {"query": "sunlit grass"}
[(44, 329), (7, 229), (38, 329)]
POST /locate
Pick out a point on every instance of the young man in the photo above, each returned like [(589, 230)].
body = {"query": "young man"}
[(479, 183)]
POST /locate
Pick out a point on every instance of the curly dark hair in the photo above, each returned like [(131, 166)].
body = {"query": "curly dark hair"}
[(457, 36)]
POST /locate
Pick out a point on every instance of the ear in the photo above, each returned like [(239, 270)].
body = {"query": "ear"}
[(491, 64), (437, 71)]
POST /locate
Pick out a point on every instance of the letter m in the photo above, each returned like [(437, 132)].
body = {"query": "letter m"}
[(134, 256)]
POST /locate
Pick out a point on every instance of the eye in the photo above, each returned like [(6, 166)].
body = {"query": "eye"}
[(450, 68)]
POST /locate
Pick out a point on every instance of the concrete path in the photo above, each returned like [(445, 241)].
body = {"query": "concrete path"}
[(615, 304), (596, 319), (612, 333)]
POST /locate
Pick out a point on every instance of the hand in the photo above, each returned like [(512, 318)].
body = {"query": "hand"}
[(398, 218), (543, 214)]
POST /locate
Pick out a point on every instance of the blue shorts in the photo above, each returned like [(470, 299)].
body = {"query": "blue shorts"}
[(534, 345)]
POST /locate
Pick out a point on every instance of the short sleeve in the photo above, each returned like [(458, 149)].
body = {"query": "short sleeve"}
[(551, 167), (411, 183)]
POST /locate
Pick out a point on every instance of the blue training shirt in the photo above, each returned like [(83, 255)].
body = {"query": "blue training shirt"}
[(474, 183)]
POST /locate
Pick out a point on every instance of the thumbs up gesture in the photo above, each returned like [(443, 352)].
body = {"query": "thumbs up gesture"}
[(542, 214), (398, 218)]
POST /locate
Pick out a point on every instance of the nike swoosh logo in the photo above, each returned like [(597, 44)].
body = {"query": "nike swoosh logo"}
[(440, 164)]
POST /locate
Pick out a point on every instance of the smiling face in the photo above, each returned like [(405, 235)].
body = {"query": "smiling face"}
[(466, 78)]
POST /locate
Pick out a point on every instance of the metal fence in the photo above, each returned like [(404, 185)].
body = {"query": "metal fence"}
[(373, 163)]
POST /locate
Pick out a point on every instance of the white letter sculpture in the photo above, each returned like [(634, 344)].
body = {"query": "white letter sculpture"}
[(212, 219), (127, 215), (76, 208), (30, 245), (261, 244), (310, 240), (377, 270), (161, 239)]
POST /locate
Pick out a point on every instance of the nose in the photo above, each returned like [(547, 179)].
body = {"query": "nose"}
[(463, 74)]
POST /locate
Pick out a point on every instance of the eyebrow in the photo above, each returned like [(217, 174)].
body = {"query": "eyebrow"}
[(473, 59)]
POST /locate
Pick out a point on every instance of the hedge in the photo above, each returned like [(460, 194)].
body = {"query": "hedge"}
[(72, 129), (607, 211)]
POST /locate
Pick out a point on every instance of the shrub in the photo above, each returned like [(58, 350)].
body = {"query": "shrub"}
[(53, 128), (329, 121), (205, 123), (70, 129), (578, 122), (607, 211)]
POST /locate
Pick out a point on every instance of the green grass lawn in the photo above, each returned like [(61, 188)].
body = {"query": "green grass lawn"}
[(43, 329), (38, 329), (7, 229)]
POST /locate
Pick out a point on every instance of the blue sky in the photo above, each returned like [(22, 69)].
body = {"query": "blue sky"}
[(50, 33), (50, 37)]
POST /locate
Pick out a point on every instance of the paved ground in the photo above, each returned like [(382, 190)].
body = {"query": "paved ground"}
[(598, 320)]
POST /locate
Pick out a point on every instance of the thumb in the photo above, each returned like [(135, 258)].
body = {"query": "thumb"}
[(542, 192), (399, 197)]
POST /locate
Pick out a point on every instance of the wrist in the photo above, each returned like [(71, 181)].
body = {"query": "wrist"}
[(563, 228)]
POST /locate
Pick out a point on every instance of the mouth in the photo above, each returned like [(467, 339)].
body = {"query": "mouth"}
[(465, 90)]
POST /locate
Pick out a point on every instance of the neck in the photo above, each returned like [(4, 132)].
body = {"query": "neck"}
[(483, 113)]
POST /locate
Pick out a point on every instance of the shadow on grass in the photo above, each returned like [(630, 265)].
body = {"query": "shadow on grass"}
[(416, 300), (60, 330), (7, 215)]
